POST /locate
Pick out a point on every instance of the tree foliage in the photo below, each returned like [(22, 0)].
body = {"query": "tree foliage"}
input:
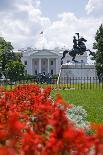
[(14, 70), (12, 66), (98, 46), (6, 52)]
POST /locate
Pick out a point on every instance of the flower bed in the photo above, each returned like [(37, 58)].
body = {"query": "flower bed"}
[(31, 123)]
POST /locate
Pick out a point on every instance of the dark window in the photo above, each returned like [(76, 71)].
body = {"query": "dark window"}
[(35, 72), (52, 71), (25, 62), (51, 62), (43, 62), (68, 61), (35, 62)]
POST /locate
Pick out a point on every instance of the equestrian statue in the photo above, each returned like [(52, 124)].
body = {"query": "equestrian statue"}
[(79, 48)]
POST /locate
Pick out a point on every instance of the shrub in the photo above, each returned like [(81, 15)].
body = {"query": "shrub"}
[(78, 115)]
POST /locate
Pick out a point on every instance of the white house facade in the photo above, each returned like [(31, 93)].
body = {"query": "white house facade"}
[(49, 61), (41, 61)]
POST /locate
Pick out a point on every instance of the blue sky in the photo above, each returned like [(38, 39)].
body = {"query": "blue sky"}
[(52, 8), (21, 22)]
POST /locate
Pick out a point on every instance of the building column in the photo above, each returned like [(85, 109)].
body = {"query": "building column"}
[(56, 66), (39, 65), (48, 65), (31, 67)]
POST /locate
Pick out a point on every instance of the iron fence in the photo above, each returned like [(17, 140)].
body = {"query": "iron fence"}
[(63, 83)]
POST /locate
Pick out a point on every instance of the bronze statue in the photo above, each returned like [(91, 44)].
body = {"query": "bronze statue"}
[(75, 42), (79, 48)]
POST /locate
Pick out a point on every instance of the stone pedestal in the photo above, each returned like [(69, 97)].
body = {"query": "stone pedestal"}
[(76, 71)]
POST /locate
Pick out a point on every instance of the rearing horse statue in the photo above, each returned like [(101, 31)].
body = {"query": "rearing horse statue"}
[(79, 48)]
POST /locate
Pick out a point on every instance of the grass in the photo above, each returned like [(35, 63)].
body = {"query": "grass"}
[(91, 100)]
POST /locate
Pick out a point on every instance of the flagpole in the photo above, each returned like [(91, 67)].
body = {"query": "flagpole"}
[(42, 39)]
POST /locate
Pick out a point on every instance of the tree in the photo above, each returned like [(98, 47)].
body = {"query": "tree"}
[(15, 70), (98, 46), (18, 56), (7, 54)]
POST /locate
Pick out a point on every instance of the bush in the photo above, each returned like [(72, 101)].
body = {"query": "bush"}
[(29, 77)]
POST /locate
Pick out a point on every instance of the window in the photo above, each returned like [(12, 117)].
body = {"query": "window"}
[(43, 62), (51, 62), (35, 62), (68, 61), (52, 71), (25, 62), (82, 61), (35, 72)]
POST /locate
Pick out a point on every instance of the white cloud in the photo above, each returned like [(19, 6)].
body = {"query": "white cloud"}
[(60, 33), (23, 23), (95, 6)]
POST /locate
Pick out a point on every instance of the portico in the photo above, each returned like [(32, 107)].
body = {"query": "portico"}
[(44, 61), (44, 65)]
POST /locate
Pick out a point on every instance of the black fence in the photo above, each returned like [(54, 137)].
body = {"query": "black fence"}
[(62, 83)]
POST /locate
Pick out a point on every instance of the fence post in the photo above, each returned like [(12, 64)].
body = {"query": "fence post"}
[(90, 82), (102, 83), (81, 82), (70, 82), (96, 82), (99, 82), (73, 82), (67, 81), (93, 82), (84, 83), (76, 82), (87, 82)]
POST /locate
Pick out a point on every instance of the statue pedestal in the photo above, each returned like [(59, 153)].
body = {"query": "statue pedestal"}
[(77, 71)]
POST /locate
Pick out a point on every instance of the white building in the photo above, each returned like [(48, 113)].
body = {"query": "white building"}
[(47, 61)]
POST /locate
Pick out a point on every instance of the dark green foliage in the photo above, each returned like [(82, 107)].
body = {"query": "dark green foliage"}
[(12, 66), (98, 46), (6, 52), (14, 70)]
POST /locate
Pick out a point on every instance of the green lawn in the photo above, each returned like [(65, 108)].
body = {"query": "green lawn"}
[(91, 100)]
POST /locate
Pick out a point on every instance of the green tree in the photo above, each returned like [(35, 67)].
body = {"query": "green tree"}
[(6, 52), (18, 56), (15, 70), (98, 46)]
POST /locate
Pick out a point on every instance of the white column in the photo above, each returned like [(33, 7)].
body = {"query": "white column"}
[(29, 66), (56, 66), (39, 65), (48, 65)]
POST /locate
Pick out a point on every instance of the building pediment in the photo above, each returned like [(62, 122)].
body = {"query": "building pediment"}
[(43, 53)]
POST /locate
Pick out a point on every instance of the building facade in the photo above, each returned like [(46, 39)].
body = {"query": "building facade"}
[(48, 61)]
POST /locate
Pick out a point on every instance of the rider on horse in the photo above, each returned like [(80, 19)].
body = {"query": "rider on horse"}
[(75, 42), (79, 46)]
